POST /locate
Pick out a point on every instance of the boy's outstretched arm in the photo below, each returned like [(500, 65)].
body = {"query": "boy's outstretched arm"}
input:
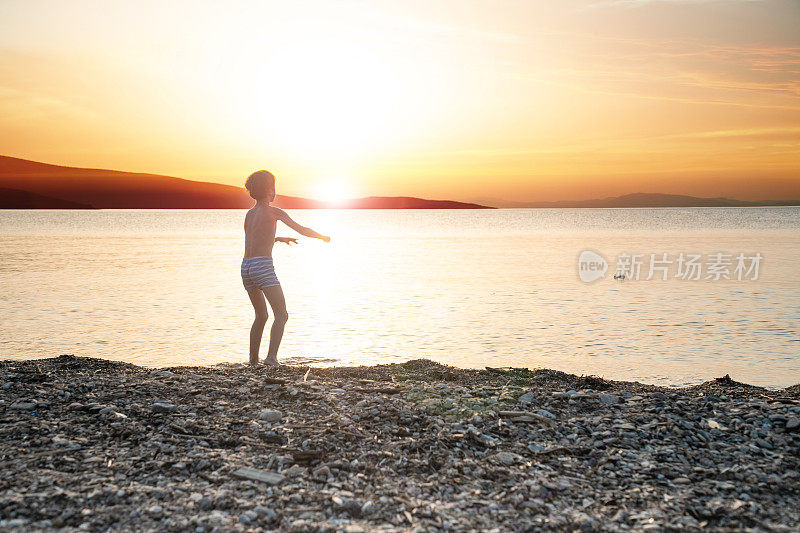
[(302, 230)]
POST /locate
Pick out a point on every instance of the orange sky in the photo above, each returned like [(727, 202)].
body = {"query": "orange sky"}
[(520, 100)]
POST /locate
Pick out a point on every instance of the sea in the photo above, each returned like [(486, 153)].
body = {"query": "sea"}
[(666, 296)]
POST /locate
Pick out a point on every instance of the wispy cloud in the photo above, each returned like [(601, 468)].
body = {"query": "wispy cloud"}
[(679, 70), (18, 105), (774, 136), (642, 3)]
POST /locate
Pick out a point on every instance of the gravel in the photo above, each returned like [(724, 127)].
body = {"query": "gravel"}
[(101, 445)]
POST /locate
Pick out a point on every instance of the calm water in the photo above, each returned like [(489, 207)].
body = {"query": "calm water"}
[(469, 288)]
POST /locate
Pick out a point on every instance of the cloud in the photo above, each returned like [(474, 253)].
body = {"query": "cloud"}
[(680, 70), (18, 105), (642, 3)]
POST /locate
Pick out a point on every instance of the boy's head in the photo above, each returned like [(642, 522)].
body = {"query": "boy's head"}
[(261, 185)]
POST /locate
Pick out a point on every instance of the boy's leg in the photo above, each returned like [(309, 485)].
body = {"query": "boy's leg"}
[(257, 330), (276, 300)]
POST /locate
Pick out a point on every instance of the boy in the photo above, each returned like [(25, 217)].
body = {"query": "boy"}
[(258, 273)]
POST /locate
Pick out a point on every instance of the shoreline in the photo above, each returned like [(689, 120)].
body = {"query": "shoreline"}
[(397, 447), (328, 364)]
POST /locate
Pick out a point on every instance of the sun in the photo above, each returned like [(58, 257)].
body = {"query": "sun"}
[(334, 190), (324, 97)]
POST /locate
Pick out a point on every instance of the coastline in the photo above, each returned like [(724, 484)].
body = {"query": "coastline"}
[(110, 445)]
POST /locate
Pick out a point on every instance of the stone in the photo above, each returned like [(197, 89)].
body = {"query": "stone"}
[(528, 397), (506, 458), (763, 443), (163, 407), (322, 472), (268, 415), (793, 424), (263, 476), (448, 449), (610, 399), (295, 470)]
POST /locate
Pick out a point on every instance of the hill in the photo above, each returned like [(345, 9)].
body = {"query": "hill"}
[(113, 189), (14, 199), (641, 199)]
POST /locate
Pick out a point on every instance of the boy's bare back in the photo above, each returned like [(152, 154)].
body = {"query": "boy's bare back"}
[(259, 230)]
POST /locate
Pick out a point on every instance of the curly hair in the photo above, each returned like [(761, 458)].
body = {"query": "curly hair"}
[(258, 183)]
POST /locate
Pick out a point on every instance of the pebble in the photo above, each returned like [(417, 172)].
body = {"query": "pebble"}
[(610, 399), (163, 407), (416, 446), (528, 397), (268, 415)]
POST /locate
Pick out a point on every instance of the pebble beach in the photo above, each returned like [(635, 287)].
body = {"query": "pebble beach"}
[(91, 444)]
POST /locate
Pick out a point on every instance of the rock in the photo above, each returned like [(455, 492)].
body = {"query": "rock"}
[(322, 472), (295, 470), (793, 424), (163, 407), (254, 474), (367, 507), (447, 449), (763, 443), (610, 399), (513, 414), (260, 510), (351, 507), (13, 523), (270, 416), (506, 458), (528, 397), (23, 406)]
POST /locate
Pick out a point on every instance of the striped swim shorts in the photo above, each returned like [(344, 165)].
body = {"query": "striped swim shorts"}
[(258, 272)]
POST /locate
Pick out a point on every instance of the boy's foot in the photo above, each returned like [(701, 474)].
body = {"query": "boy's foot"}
[(269, 361)]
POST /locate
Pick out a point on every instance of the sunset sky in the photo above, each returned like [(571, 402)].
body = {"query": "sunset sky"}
[(519, 100)]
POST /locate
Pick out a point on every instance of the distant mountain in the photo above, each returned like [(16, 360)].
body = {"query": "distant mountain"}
[(28, 184), (641, 199), (113, 189), (375, 202), (14, 199)]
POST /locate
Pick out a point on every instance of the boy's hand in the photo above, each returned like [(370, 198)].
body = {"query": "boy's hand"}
[(325, 238), (287, 240)]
